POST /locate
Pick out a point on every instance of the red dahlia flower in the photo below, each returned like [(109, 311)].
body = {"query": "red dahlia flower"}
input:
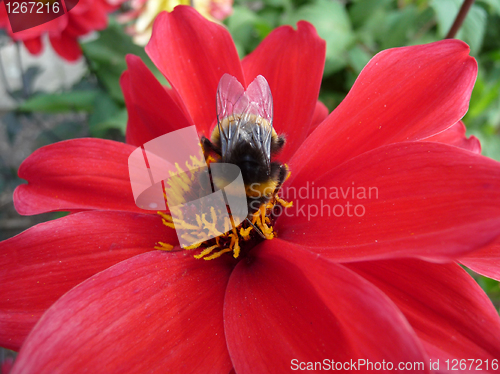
[(64, 31), (87, 292)]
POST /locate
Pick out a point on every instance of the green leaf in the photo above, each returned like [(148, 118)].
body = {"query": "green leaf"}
[(333, 25), (107, 115), (30, 76), (358, 58), (488, 95), (400, 26), (494, 5), (362, 10), (446, 12), (70, 128), (247, 29), (106, 57), (60, 102), (474, 26), (490, 144), (118, 121), (12, 125)]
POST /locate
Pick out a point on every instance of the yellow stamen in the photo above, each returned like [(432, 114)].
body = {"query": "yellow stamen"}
[(175, 194), (227, 224), (245, 233), (185, 226), (286, 204), (235, 247), (210, 226), (168, 224), (255, 217), (178, 181), (164, 246), (234, 239), (289, 173), (205, 252), (218, 254), (197, 162), (261, 222), (168, 217), (189, 238), (194, 246), (214, 216), (182, 174)]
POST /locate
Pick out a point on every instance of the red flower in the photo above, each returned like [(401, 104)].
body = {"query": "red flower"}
[(64, 31), (381, 287)]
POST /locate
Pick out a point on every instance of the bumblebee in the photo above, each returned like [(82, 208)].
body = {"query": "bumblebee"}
[(244, 136)]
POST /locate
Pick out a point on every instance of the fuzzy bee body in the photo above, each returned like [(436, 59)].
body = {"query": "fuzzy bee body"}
[(244, 136)]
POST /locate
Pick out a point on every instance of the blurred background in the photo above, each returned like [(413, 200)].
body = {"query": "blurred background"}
[(52, 96)]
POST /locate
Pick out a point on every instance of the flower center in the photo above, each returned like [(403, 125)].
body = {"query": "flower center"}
[(223, 235)]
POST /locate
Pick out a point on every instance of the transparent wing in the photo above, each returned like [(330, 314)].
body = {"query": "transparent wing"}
[(261, 104), (260, 98), (249, 114), (229, 93)]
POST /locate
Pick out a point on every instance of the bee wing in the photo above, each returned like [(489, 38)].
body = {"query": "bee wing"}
[(229, 94), (261, 104), (244, 107), (260, 98)]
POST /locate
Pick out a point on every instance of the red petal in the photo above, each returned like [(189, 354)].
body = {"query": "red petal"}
[(422, 199), (77, 174), (34, 45), (485, 261), (66, 46), (403, 94), (89, 16), (157, 312), (455, 135), (289, 304), (448, 310), (320, 113), (47, 260), (292, 62), (4, 18), (152, 111), (193, 54), (6, 364)]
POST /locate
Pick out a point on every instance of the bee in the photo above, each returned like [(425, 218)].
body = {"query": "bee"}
[(244, 136)]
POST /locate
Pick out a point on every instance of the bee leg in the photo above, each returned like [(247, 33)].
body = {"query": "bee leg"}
[(283, 174), (208, 147), (279, 173), (257, 229), (277, 144)]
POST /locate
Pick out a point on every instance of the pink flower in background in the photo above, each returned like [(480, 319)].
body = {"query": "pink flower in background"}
[(144, 13), (87, 292)]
